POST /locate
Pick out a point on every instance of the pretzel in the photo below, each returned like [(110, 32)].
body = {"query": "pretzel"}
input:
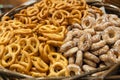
[(71, 60), (102, 26), (114, 19), (54, 57), (49, 29), (32, 46), (11, 53), (105, 59), (18, 68), (75, 41), (76, 13), (68, 36), (102, 65), (43, 13), (101, 51), (98, 45), (96, 38), (76, 25), (56, 19), (73, 69), (39, 64), (91, 57), (23, 31), (79, 58), (37, 74), (31, 26), (57, 69), (14, 39), (54, 43), (71, 52), (110, 35), (90, 63), (117, 45), (77, 33), (88, 68), (44, 50), (74, 20), (87, 22), (112, 54), (2, 49), (54, 36), (66, 46), (23, 42), (32, 11), (90, 31), (5, 37), (15, 24), (25, 60), (84, 13), (85, 42), (5, 18), (25, 20)]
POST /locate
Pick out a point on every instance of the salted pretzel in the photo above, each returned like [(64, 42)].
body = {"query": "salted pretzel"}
[(90, 63), (88, 22), (98, 45), (117, 45), (110, 35), (85, 42), (92, 57), (101, 51), (66, 46), (73, 68), (71, 52), (88, 68), (79, 58), (71, 60)]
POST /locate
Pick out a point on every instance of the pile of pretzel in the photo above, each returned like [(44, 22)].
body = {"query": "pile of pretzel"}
[(93, 44), (31, 53)]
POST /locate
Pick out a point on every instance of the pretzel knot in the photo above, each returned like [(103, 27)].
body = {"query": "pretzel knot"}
[(5, 37), (39, 64), (57, 69), (10, 54), (32, 11), (57, 57), (44, 50), (30, 45), (25, 60)]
